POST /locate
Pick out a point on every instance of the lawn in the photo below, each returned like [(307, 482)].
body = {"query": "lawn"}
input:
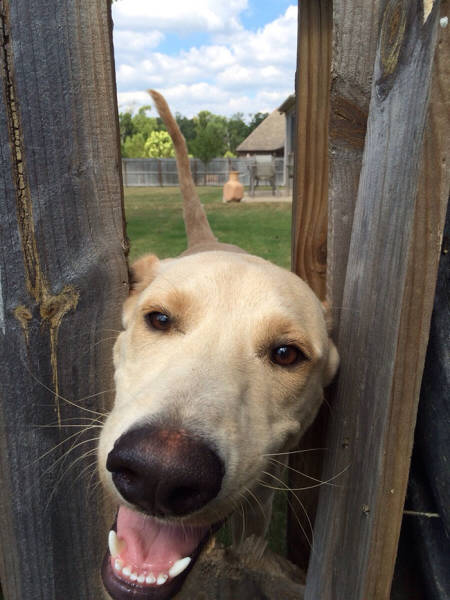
[(155, 224)]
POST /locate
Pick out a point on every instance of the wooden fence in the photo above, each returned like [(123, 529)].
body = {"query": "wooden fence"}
[(63, 277), (370, 195), (382, 256), (163, 171)]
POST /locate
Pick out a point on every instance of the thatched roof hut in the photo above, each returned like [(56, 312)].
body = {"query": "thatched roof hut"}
[(267, 138)]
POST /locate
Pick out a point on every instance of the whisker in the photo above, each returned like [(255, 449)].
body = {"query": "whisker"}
[(274, 460), (56, 395), (56, 486), (310, 487), (294, 452)]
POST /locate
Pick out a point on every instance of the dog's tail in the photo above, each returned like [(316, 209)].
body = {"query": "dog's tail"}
[(196, 222)]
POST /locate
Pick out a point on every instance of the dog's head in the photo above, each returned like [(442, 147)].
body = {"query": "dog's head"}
[(222, 362)]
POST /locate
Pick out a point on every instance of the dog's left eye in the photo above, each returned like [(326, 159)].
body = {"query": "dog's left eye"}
[(285, 356), (158, 320)]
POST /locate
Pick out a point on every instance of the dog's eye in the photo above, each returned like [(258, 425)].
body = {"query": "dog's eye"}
[(158, 320), (285, 356)]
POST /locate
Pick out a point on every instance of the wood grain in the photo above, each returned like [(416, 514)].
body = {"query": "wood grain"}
[(62, 279), (355, 34), (309, 222), (418, 297), (354, 37), (309, 229), (373, 296)]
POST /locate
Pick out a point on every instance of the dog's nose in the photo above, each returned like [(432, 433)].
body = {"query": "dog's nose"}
[(165, 471)]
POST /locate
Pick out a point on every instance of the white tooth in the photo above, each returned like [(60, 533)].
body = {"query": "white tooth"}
[(162, 578), (115, 544), (150, 578), (141, 579), (118, 564), (179, 566), (133, 576), (127, 571)]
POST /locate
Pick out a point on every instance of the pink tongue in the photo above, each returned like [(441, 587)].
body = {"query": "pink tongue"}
[(153, 544)]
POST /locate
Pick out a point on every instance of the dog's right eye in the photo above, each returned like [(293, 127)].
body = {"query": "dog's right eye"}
[(158, 320)]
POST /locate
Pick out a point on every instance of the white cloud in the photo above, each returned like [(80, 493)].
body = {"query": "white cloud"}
[(245, 71), (179, 15), (129, 40)]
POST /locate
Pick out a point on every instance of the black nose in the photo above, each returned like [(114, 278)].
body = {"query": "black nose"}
[(165, 471)]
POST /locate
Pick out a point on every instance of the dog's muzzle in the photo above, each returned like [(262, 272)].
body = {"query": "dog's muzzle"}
[(165, 472)]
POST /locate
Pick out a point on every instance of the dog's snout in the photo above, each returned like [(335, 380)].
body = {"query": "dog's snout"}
[(165, 471)]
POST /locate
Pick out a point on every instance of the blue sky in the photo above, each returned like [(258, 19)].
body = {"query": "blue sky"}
[(225, 56)]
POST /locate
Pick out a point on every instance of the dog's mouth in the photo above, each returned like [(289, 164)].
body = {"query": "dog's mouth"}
[(148, 559)]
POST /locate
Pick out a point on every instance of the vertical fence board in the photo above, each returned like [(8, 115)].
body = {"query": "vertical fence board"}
[(354, 38), (355, 34), (309, 229), (373, 295), (309, 249), (423, 262), (63, 277)]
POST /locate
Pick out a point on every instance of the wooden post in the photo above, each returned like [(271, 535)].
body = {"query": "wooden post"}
[(352, 524), (355, 35), (309, 233), (354, 39), (63, 277)]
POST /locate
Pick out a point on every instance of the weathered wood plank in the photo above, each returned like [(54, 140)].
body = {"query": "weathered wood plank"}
[(309, 228), (354, 38), (309, 221), (355, 34), (63, 277), (373, 295), (418, 297)]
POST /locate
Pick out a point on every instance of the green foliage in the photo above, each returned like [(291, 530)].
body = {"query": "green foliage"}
[(256, 120), (134, 132), (159, 145), (237, 131), (210, 139), (134, 146), (187, 127), (207, 135)]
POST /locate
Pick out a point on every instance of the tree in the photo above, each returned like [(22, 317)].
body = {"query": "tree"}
[(126, 125), (159, 145), (255, 120), (187, 127), (134, 146), (210, 139), (143, 123), (237, 131)]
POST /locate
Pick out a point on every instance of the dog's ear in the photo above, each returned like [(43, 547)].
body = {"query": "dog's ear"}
[(327, 314), (142, 273), (332, 364), (333, 356)]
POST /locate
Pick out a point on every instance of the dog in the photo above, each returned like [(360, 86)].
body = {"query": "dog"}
[(221, 364)]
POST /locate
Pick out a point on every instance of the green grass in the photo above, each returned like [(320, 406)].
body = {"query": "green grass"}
[(155, 223)]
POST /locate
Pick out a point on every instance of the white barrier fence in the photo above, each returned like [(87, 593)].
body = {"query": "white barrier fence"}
[(163, 171)]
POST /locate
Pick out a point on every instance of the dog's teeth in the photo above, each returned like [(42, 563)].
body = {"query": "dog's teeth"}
[(118, 564), (133, 576), (141, 579), (150, 578), (115, 544), (127, 571), (179, 566), (162, 578)]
